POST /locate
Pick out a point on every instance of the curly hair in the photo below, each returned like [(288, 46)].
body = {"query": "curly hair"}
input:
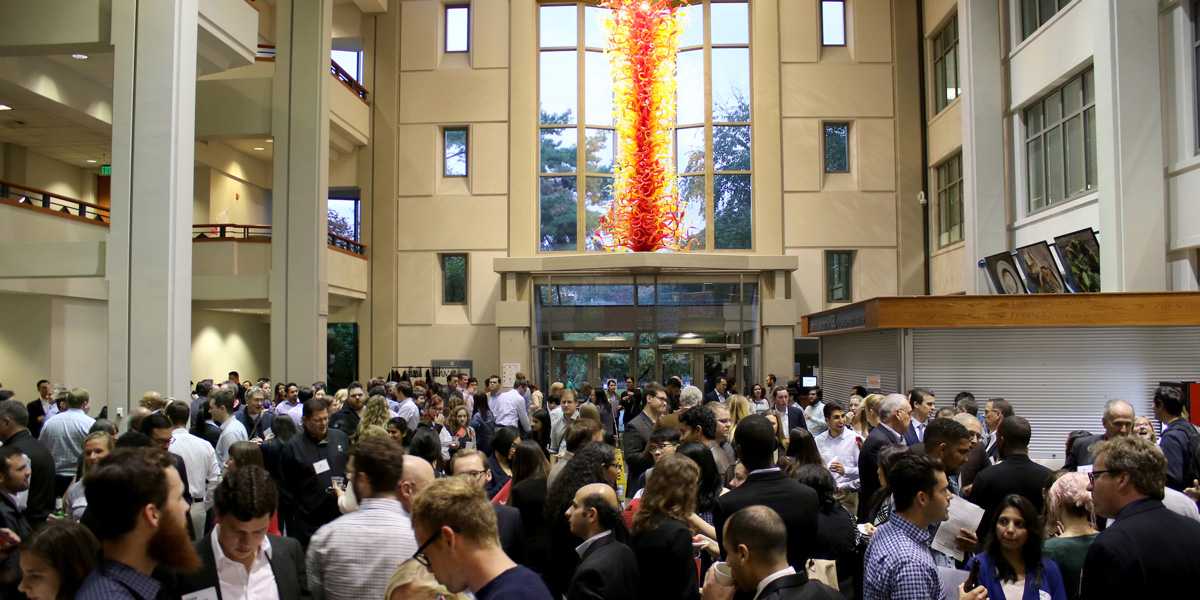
[(668, 492), (246, 494), (587, 466), (376, 413)]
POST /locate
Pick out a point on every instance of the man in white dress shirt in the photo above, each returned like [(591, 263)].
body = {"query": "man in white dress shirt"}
[(509, 407), (838, 446), (232, 430), (200, 459)]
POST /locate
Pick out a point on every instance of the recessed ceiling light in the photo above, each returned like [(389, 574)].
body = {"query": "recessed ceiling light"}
[(259, 148), (79, 56), (5, 107), (91, 160)]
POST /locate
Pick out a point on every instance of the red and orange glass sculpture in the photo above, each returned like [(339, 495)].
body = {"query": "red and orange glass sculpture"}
[(645, 216)]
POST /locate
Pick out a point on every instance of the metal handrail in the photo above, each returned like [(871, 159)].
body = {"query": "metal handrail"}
[(201, 231), (24, 195), (347, 244)]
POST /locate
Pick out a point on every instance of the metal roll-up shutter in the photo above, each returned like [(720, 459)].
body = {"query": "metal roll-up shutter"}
[(849, 359), (1057, 378)]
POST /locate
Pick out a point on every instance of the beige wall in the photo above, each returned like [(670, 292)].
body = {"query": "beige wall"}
[(63, 340), (227, 341)]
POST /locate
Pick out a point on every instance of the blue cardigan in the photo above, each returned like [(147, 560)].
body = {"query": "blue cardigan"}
[(1051, 584)]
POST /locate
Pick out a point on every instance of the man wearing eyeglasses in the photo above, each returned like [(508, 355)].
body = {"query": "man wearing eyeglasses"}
[(1148, 548), (352, 557), (472, 465), (310, 460), (460, 545), (637, 433)]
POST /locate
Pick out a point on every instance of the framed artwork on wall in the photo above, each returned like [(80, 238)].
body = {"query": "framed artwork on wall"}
[(1006, 279), (1041, 272), (1079, 253)]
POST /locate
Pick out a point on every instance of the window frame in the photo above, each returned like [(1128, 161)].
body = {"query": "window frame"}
[(821, 20), (446, 28), (848, 277), (1086, 113), (825, 129), (940, 54), (466, 131), (1039, 19), (466, 284), (582, 124), (949, 196)]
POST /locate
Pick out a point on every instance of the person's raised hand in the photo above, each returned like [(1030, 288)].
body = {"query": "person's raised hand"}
[(713, 590), (979, 593), (966, 540), (1194, 491)]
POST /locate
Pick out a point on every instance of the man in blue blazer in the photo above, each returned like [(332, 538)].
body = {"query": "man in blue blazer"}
[(1148, 549), (239, 544), (793, 415)]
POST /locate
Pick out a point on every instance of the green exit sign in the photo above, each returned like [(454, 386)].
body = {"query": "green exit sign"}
[(106, 169)]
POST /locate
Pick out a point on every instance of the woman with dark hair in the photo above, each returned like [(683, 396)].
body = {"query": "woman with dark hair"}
[(662, 540), (483, 422), (593, 463), (427, 445), (397, 428), (607, 419), (539, 431), (504, 445), (280, 395), (1012, 566), (708, 489), (801, 450), (56, 559), (758, 399), (272, 449), (836, 533), (242, 454), (881, 502), (529, 468)]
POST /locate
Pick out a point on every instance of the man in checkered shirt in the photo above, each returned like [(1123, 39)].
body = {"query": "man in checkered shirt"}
[(899, 564)]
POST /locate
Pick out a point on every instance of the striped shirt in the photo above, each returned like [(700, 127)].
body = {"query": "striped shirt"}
[(354, 556), (63, 437), (899, 565)]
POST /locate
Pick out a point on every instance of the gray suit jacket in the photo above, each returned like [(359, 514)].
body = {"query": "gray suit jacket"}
[(287, 561)]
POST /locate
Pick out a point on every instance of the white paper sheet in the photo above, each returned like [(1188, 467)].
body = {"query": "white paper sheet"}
[(963, 515)]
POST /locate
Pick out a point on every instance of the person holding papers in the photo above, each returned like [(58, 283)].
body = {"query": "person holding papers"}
[(1011, 566)]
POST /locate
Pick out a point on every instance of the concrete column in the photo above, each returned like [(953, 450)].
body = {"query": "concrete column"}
[(149, 255), (299, 292), (984, 201), (378, 333), (1129, 148)]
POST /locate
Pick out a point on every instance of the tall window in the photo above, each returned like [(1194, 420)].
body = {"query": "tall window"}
[(349, 61), (833, 23), (458, 28), (1035, 13), (837, 147), (454, 278), (454, 145), (949, 201), (1060, 143), (838, 266), (945, 64), (344, 213), (712, 141)]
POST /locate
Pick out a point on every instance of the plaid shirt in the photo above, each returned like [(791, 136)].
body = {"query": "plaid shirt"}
[(354, 556), (899, 564)]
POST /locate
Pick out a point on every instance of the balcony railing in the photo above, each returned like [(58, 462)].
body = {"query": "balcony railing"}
[(345, 244), (219, 231), (266, 52), (16, 194), (206, 232)]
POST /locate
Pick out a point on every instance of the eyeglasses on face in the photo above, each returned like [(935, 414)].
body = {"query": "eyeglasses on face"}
[(1094, 474), (419, 555)]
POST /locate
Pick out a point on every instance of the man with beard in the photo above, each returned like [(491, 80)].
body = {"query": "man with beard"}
[(346, 420), (135, 497)]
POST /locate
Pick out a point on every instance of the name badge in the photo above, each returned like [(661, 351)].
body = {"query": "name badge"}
[(321, 466), (204, 594), (1085, 468), (267, 432)]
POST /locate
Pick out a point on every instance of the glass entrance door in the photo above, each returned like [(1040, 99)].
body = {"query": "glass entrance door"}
[(572, 366)]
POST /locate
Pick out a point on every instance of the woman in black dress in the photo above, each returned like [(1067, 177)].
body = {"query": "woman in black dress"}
[(662, 540), (529, 469)]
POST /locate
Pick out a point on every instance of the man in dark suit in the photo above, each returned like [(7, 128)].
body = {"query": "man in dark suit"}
[(893, 424), (795, 502), (988, 453), (923, 405), (1147, 550), (41, 407), (756, 542), (608, 569), (793, 416), (1014, 474), (40, 503), (1117, 421), (240, 546), (719, 393), (637, 433)]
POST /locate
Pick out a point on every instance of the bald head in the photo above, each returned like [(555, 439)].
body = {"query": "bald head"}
[(593, 510), (603, 489), (415, 475), (152, 400), (136, 415)]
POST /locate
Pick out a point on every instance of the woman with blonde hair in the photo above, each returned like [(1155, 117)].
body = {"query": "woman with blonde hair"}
[(339, 398), (96, 446), (376, 414), (739, 408), (587, 410), (1142, 427), (662, 539), (462, 435), (412, 581), (781, 441), (867, 417)]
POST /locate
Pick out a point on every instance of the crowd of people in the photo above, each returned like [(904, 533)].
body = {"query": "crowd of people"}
[(417, 489)]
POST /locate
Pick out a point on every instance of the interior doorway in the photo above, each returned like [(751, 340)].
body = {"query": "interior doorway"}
[(699, 366)]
